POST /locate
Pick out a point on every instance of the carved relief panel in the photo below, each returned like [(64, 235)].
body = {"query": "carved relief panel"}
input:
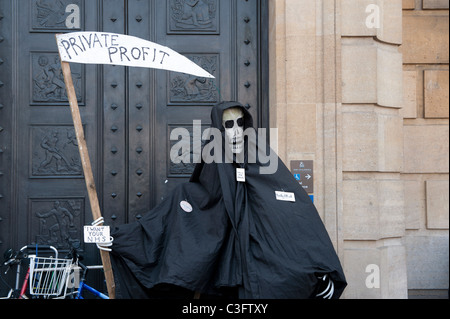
[(54, 152), (186, 16), (185, 88), (48, 81), (56, 221), (182, 154), (56, 15)]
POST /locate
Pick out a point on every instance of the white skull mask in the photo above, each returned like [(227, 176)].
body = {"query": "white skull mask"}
[(233, 122)]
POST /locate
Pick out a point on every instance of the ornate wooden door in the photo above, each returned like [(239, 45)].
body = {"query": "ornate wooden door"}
[(128, 113)]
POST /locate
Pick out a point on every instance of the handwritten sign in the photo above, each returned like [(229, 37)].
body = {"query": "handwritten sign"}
[(240, 175), (125, 50), (285, 196), (96, 234)]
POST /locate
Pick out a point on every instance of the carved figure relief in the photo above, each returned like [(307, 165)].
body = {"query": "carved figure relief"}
[(193, 15), (183, 164), (188, 88), (59, 221), (48, 80), (55, 15), (55, 152)]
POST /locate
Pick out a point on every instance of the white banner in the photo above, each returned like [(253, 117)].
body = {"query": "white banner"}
[(119, 49)]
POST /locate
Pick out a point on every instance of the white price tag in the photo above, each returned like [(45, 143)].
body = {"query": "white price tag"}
[(96, 234), (240, 175), (285, 196)]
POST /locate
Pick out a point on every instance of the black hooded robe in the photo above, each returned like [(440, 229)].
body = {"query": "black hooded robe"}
[(238, 237)]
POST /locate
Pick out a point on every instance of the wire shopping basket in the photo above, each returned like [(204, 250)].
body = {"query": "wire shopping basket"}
[(48, 275)]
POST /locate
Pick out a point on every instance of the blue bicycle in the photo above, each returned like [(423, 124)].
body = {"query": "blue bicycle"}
[(78, 293)]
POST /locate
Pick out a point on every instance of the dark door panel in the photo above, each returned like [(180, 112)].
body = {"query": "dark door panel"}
[(128, 113)]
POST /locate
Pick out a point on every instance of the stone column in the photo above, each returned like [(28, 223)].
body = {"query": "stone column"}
[(305, 98), (372, 149), (336, 98)]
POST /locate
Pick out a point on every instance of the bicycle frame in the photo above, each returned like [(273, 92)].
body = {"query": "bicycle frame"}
[(9, 296), (93, 291), (24, 285), (14, 293), (83, 286)]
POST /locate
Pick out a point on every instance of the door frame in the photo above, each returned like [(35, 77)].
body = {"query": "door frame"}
[(263, 81)]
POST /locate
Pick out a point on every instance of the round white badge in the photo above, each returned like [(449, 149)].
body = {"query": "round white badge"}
[(186, 206)]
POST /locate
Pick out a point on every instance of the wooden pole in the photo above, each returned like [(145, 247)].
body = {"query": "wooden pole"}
[(87, 169)]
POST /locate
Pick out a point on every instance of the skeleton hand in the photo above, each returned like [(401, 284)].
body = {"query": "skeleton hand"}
[(103, 246), (325, 287)]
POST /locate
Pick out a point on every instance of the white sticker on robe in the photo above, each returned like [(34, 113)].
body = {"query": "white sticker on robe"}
[(285, 196), (186, 206), (240, 175)]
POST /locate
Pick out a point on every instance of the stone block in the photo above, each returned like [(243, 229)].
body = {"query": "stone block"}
[(373, 209), (360, 212), (437, 204), (389, 76), (425, 38), (371, 72), (436, 93), (414, 203), (301, 69), (362, 264), (300, 60), (301, 128), (299, 19), (372, 139), (391, 208), (379, 18), (394, 282), (391, 27), (359, 71), (426, 148), (360, 141), (390, 143), (409, 4), (409, 109), (375, 270), (354, 18), (435, 4), (427, 261)]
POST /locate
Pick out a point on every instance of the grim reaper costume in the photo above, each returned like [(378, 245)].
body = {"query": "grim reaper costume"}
[(226, 238)]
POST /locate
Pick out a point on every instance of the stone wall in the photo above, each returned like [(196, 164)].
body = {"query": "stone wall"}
[(361, 88), (426, 145)]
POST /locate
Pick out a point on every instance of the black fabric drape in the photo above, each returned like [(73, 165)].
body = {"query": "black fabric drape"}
[(238, 241)]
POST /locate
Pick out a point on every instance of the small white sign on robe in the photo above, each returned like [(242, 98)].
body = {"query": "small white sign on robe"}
[(119, 49)]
